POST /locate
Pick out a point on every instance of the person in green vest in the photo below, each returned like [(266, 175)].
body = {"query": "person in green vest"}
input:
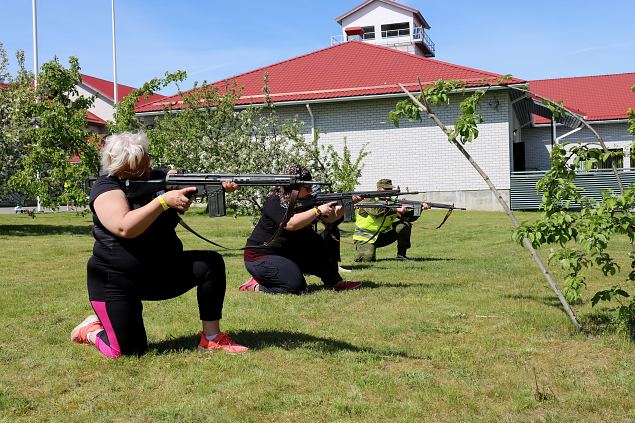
[(377, 227)]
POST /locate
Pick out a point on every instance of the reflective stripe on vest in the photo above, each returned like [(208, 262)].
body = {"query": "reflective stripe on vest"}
[(369, 226)]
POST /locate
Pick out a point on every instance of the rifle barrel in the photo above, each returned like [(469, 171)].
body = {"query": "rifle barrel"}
[(206, 183), (401, 203), (334, 196), (245, 179)]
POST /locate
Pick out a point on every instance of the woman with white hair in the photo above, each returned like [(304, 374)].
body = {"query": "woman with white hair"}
[(137, 257)]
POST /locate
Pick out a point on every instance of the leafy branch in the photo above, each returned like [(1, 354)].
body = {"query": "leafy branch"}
[(584, 237), (466, 130)]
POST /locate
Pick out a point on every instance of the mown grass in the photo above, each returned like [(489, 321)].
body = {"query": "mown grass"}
[(463, 334)]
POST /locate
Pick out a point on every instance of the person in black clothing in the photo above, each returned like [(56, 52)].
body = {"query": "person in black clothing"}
[(137, 257), (283, 246)]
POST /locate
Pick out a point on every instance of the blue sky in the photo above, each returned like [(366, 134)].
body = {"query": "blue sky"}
[(213, 40)]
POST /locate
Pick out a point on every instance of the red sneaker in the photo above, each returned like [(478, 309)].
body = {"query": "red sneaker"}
[(250, 286), (90, 324), (221, 342), (345, 286)]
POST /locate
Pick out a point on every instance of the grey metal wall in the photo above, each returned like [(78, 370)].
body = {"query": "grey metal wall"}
[(523, 195)]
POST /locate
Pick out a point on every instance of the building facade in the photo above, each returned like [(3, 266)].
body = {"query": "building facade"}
[(347, 90)]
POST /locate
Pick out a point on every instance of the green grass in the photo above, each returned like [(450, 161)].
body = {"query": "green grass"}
[(463, 334)]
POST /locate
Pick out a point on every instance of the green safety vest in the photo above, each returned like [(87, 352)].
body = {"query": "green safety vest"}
[(369, 227)]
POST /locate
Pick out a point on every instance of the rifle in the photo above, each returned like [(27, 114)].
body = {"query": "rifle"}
[(414, 205), (207, 185), (344, 199)]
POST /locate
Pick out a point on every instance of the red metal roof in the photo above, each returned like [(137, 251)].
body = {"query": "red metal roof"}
[(600, 97), (94, 119), (351, 69), (107, 88), (3, 85)]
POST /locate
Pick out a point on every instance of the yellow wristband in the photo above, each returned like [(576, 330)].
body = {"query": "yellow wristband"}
[(163, 203), (317, 212)]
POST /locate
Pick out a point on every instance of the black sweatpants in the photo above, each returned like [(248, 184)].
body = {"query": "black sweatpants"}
[(284, 273), (117, 299)]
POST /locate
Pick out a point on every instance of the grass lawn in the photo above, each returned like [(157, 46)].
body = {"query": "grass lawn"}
[(469, 332)]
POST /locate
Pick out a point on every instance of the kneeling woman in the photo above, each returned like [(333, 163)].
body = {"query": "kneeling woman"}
[(138, 257), (283, 246)]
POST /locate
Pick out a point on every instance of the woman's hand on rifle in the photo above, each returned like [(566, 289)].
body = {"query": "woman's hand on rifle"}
[(230, 186)]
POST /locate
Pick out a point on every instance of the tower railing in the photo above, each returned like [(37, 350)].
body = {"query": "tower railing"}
[(418, 36)]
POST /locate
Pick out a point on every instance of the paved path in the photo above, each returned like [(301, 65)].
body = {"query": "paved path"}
[(11, 210)]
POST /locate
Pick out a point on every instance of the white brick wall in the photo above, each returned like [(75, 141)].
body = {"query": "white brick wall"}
[(416, 156)]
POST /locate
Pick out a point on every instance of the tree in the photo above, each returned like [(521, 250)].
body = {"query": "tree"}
[(210, 134), (466, 130), (583, 238), (57, 132), (124, 118), (14, 120)]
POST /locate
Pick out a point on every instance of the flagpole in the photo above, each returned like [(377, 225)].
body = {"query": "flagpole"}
[(114, 55), (35, 72), (35, 52)]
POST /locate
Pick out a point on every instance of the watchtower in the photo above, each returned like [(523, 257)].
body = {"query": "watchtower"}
[(386, 23)]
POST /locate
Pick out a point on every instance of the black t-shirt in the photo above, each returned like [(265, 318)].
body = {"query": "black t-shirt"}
[(273, 214), (132, 255)]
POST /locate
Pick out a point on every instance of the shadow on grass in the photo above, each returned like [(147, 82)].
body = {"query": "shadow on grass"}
[(418, 259), (366, 284), (598, 323), (261, 339), (604, 322), (546, 300), (43, 230), (373, 265)]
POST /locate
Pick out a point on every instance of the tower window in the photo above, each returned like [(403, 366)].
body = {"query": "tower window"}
[(369, 32), (395, 30)]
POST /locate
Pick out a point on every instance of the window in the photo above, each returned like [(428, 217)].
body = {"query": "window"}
[(395, 30), (369, 32), (619, 161)]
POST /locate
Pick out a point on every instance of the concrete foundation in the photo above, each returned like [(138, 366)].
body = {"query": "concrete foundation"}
[(483, 200)]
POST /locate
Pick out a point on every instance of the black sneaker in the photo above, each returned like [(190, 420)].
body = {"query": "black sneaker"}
[(402, 257)]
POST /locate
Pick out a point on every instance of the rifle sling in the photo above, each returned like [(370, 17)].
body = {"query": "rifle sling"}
[(447, 215), (292, 200), (189, 228)]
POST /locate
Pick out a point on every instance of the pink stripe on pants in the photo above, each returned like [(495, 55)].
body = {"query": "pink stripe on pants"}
[(112, 350)]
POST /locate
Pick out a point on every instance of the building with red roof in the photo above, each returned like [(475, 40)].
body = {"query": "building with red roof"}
[(347, 90), (103, 91), (602, 100)]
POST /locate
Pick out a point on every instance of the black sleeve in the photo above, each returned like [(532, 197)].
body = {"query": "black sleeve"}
[(273, 210), (409, 216), (102, 184)]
